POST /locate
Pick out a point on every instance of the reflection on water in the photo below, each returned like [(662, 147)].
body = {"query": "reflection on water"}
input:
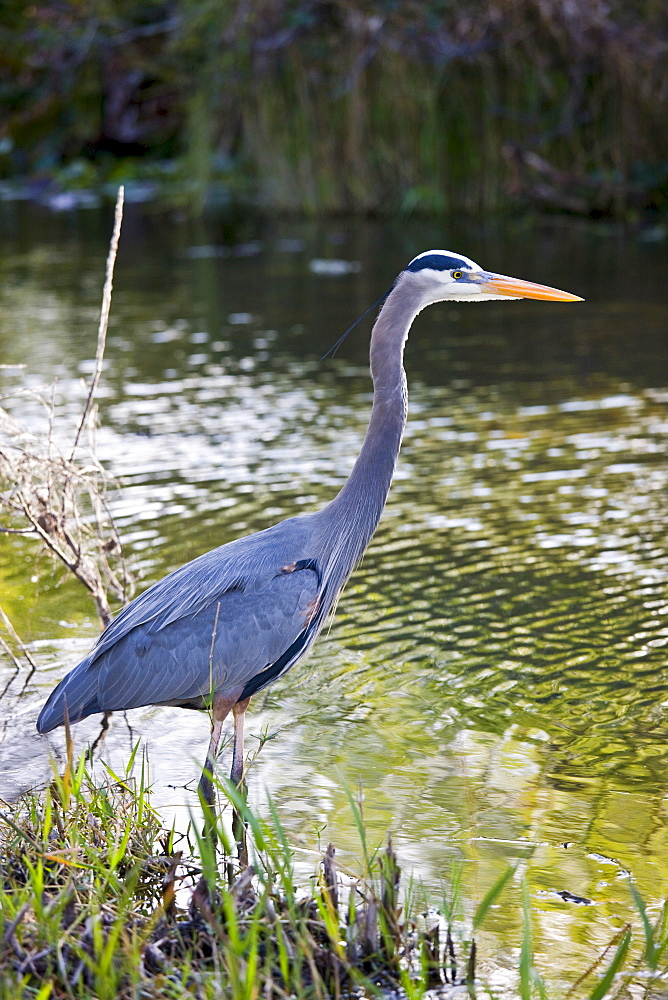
[(495, 675)]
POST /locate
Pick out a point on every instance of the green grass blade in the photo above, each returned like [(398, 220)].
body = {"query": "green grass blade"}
[(491, 896), (650, 944), (602, 988), (452, 900), (356, 810), (525, 950)]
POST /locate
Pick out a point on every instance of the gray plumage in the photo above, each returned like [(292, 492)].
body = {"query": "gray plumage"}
[(222, 627)]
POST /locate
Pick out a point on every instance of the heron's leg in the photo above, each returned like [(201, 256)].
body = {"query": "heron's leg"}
[(206, 782), (220, 709), (239, 711), (237, 777)]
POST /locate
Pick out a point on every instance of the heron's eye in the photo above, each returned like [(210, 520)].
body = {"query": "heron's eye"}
[(457, 274)]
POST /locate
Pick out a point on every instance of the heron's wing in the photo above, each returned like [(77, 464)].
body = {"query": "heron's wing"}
[(242, 564), (250, 607), (235, 645)]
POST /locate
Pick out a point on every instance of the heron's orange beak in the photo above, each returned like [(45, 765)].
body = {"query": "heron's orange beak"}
[(498, 284)]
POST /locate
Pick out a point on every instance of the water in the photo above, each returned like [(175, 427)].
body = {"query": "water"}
[(495, 676)]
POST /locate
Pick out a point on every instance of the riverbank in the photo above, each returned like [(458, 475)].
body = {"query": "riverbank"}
[(98, 901), (323, 108)]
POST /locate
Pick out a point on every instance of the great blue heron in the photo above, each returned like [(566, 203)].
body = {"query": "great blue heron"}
[(224, 626)]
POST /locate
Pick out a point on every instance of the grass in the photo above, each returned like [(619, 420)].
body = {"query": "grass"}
[(97, 902), (89, 900)]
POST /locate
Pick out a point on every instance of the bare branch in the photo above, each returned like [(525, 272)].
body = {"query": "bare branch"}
[(104, 315)]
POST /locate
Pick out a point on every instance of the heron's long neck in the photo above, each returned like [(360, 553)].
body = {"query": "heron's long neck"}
[(362, 498)]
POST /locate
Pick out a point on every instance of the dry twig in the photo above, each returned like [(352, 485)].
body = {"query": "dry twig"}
[(59, 495)]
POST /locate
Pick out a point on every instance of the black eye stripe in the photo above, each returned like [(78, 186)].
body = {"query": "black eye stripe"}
[(437, 262)]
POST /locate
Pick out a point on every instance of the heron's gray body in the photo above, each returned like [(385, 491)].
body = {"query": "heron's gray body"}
[(206, 628), (225, 625), (230, 621), (233, 620)]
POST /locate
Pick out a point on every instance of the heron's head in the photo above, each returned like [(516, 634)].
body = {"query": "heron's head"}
[(441, 275)]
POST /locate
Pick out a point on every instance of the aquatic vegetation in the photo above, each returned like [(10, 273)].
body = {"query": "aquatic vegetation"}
[(327, 107)]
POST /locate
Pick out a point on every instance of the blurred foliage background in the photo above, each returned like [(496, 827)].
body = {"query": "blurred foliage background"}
[(342, 105)]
